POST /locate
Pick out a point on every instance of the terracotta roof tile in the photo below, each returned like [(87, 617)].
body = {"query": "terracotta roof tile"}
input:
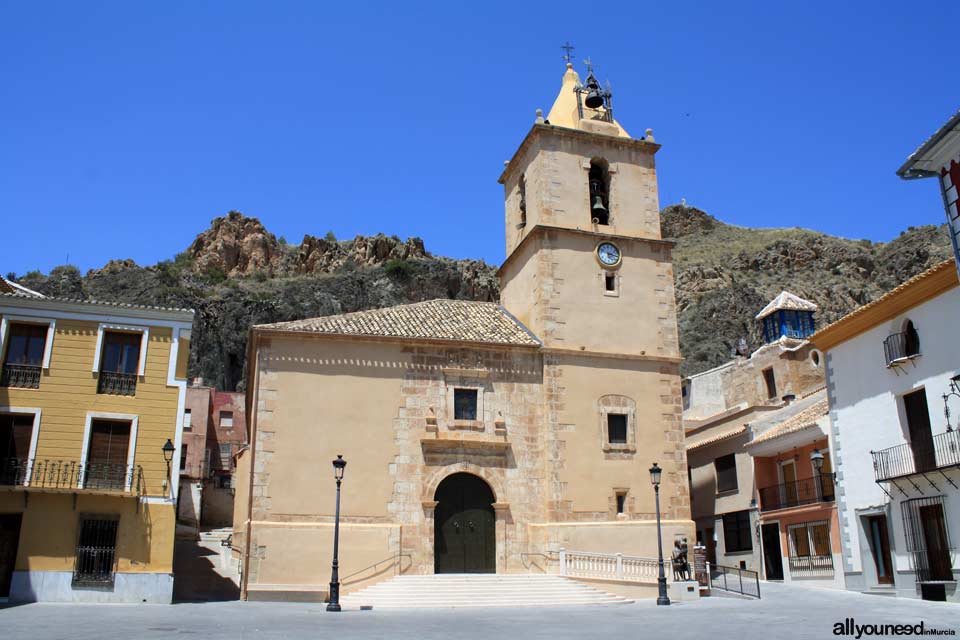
[(786, 300), (723, 435), (932, 271), (804, 419), (447, 320)]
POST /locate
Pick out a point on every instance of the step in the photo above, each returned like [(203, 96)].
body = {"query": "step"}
[(478, 590)]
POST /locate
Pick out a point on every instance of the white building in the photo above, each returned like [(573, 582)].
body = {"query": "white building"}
[(939, 157), (891, 366)]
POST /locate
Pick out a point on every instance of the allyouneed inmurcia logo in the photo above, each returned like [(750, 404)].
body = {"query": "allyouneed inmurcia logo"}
[(849, 627)]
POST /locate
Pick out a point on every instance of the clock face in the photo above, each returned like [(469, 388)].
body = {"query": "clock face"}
[(608, 253)]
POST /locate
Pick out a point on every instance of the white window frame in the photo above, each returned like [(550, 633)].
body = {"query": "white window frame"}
[(125, 328), (131, 446), (187, 424), (51, 323), (34, 435)]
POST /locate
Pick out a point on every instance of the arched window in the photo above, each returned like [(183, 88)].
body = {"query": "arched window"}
[(911, 340), (523, 200), (599, 179)]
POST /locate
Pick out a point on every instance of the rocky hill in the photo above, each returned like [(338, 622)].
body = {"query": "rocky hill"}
[(237, 273)]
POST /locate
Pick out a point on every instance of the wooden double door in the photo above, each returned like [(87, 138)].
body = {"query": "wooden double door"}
[(464, 526)]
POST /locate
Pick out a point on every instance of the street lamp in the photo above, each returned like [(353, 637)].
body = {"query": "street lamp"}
[(816, 458), (662, 598), (168, 450), (334, 605)]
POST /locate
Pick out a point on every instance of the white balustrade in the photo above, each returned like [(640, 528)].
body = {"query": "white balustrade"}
[(611, 566)]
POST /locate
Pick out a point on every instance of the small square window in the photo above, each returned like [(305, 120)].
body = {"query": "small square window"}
[(617, 428), (226, 419), (621, 501), (464, 404)]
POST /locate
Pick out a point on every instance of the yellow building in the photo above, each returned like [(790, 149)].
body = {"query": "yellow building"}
[(90, 393)]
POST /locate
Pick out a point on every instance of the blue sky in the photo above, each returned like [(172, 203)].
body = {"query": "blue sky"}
[(128, 126)]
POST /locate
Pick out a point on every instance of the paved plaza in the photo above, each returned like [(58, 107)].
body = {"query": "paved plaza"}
[(784, 612)]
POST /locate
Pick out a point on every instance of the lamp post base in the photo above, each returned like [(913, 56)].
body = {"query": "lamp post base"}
[(662, 598), (334, 604)]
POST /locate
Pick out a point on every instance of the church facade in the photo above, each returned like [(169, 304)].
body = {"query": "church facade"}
[(484, 437)]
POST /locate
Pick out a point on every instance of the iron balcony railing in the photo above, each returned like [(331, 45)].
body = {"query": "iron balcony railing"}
[(898, 347), (811, 564), (22, 376), (70, 475), (907, 459), (799, 492), (118, 384)]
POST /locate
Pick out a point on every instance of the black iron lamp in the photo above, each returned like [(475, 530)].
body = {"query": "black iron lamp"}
[(168, 450), (816, 459), (334, 603), (662, 599)]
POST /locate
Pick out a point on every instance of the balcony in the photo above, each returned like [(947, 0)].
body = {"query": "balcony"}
[(942, 452), (900, 347), (799, 492), (68, 475), (117, 384), (21, 376)]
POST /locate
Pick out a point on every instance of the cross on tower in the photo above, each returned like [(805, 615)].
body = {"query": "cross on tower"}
[(568, 51)]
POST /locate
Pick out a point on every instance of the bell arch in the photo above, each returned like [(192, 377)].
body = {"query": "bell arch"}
[(598, 180)]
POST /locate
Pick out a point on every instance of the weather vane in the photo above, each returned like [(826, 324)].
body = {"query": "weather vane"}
[(589, 64), (568, 52)]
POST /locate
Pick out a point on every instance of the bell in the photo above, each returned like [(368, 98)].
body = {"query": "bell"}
[(598, 205), (594, 99)]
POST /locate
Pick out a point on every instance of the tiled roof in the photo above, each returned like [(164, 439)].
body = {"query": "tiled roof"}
[(789, 301), (946, 265), (723, 435), (448, 320), (95, 303), (802, 420)]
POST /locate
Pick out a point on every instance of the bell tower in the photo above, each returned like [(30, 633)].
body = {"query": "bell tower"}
[(586, 268)]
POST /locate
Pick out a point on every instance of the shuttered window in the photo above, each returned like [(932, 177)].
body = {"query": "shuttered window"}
[(106, 466), (736, 532), (121, 352), (15, 433), (25, 344)]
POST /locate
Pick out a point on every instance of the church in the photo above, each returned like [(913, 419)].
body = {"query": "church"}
[(484, 437)]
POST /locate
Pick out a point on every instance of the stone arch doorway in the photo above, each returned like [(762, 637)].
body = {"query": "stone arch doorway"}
[(464, 534)]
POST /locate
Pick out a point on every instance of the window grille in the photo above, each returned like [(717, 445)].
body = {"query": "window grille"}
[(96, 551), (928, 538)]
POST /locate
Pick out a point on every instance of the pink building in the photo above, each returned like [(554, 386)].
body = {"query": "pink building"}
[(214, 428)]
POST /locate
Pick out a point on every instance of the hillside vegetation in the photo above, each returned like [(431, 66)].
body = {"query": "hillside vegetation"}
[(236, 274)]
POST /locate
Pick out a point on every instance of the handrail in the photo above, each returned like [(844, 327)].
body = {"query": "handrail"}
[(395, 556), (943, 450)]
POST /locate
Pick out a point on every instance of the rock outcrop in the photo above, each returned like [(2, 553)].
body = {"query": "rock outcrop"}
[(236, 274)]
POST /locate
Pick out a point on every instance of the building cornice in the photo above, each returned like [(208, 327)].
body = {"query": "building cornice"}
[(541, 229), (575, 134), (913, 292), (94, 310), (643, 357), (266, 332)]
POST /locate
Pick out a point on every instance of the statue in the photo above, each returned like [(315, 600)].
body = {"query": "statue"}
[(681, 567)]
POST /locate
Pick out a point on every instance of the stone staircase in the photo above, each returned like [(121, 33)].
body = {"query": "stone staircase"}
[(477, 590)]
